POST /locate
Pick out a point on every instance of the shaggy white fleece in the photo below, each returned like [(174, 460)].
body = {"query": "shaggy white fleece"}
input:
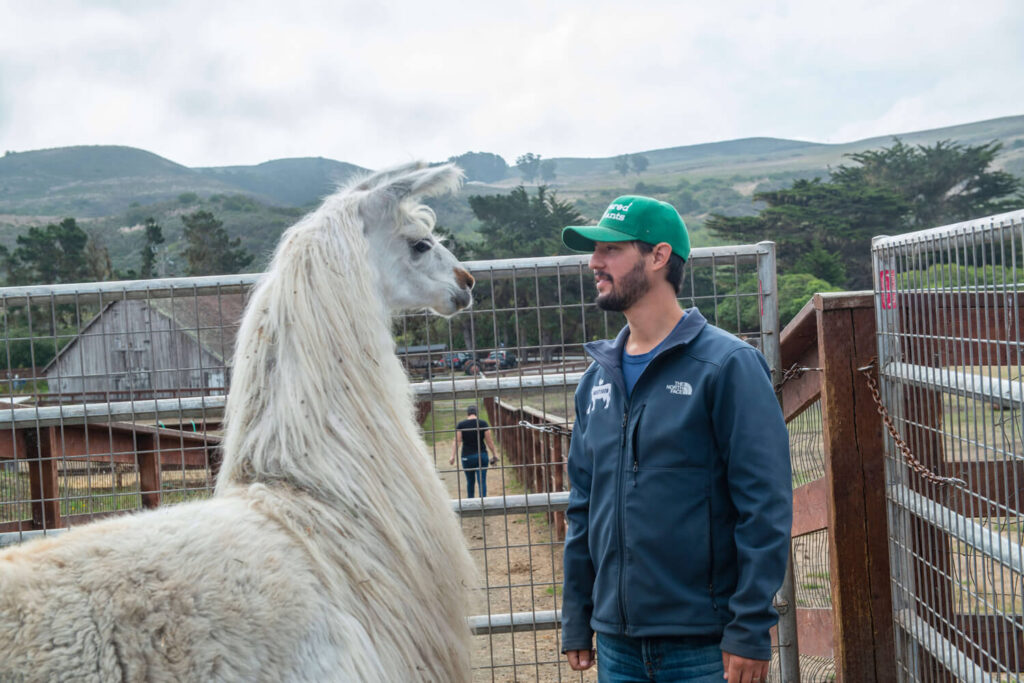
[(329, 552)]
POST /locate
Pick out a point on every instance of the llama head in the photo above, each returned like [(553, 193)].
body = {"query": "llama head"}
[(416, 271)]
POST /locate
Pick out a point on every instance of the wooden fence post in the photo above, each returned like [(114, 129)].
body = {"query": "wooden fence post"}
[(149, 469), (855, 477), (42, 472)]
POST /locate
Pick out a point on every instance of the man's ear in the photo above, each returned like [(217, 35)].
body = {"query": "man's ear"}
[(661, 253)]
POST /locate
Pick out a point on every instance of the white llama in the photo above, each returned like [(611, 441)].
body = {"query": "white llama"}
[(329, 551)]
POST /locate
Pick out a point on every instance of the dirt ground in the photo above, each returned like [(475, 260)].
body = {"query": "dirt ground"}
[(519, 558)]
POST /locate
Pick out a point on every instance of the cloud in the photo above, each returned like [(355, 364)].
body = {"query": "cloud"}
[(378, 82)]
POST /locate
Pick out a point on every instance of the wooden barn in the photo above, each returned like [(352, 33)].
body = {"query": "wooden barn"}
[(151, 348)]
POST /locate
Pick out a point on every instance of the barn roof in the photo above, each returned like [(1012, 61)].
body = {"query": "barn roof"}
[(212, 321)]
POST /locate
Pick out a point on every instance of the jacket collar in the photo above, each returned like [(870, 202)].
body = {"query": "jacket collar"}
[(608, 352)]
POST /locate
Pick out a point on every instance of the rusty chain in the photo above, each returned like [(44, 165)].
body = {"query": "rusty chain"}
[(908, 457)]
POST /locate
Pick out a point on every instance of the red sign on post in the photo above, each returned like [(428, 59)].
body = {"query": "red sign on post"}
[(887, 288)]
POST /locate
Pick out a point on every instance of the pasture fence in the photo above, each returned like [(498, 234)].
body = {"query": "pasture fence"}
[(948, 303), (126, 411)]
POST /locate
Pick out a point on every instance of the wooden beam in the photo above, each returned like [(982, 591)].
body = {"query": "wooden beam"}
[(810, 508), (42, 473), (858, 547)]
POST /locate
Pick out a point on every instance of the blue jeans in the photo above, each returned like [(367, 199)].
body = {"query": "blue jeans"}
[(621, 659), (475, 467)]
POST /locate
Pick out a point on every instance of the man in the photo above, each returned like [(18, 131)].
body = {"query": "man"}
[(475, 437), (681, 503)]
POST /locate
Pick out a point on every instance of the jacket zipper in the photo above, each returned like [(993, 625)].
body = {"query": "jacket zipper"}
[(633, 443), (622, 525), (711, 560)]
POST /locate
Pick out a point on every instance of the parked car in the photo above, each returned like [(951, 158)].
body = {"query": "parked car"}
[(454, 360), (502, 359)]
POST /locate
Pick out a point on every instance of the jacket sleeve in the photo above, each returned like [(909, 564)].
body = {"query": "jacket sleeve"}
[(752, 436), (578, 581)]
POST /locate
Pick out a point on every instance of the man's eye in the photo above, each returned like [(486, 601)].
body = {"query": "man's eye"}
[(422, 246)]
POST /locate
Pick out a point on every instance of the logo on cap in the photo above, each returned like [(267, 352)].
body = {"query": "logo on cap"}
[(611, 214)]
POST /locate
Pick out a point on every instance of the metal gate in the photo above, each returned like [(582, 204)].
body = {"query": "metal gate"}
[(948, 304), (113, 395)]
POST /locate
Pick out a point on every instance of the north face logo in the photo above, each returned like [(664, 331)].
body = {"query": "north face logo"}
[(601, 392), (680, 388)]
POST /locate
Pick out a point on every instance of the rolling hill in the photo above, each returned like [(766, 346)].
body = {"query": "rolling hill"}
[(111, 190)]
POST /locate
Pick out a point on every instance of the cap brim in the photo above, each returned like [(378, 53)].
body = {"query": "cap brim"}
[(582, 237)]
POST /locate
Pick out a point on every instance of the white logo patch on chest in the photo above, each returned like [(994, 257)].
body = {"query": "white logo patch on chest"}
[(680, 388), (601, 392)]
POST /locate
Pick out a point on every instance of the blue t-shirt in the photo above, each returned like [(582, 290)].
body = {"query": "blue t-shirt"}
[(633, 366)]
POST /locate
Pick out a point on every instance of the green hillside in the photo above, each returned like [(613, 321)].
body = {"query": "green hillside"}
[(288, 182), (92, 181)]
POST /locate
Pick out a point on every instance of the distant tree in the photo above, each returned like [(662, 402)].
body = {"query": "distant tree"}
[(210, 251), (943, 183), (97, 258), (482, 166), (639, 163), (51, 255), (154, 236), (622, 164), (814, 216), (529, 166), (517, 224), (824, 228), (547, 170)]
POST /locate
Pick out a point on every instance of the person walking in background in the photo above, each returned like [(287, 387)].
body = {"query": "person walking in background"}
[(475, 436), (680, 505)]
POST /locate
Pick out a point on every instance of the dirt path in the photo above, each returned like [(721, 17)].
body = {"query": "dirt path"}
[(523, 560)]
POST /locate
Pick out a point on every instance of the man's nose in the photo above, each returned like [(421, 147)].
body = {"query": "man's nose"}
[(595, 261)]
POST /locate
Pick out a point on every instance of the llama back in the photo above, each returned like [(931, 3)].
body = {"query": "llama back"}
[(206, 591)]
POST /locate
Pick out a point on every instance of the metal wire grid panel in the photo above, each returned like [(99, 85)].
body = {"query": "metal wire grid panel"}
[(114, 394), (810, 551), (948, 304)]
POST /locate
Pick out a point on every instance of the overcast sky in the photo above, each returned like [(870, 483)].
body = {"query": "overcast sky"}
[(379, 82)]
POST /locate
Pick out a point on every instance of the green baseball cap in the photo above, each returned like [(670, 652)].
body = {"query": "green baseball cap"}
[(633, 218)]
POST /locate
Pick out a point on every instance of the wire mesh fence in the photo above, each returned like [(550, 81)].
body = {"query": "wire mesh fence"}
[(948, 309), (113, 393)]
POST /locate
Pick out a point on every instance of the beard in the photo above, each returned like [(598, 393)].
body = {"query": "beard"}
[(626, 291)]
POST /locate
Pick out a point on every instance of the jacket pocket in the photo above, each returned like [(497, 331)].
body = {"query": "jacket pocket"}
[(668, 540)]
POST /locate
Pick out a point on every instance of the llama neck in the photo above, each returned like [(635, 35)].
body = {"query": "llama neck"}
[(315, 374)]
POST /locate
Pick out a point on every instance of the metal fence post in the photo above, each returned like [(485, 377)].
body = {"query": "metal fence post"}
[(785, 599)]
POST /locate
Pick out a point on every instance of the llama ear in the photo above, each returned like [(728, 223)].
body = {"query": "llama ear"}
[(435, 181), (432, 181), (388, 175)]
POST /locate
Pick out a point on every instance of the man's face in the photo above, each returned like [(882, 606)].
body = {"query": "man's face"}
[(620, 275)]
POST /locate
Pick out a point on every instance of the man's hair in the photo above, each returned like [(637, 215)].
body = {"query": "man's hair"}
[(674, 272), (471, 410)]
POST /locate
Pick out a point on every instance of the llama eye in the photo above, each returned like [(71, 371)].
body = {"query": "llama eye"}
[(422, 246)]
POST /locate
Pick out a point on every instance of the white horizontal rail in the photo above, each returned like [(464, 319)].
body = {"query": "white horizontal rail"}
[(991, 544), (213, 406), (1004, 392), (502, 505), (489, 624), (94, 292), (440, 389), (956, 662), (977, 229), (119, 411)]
